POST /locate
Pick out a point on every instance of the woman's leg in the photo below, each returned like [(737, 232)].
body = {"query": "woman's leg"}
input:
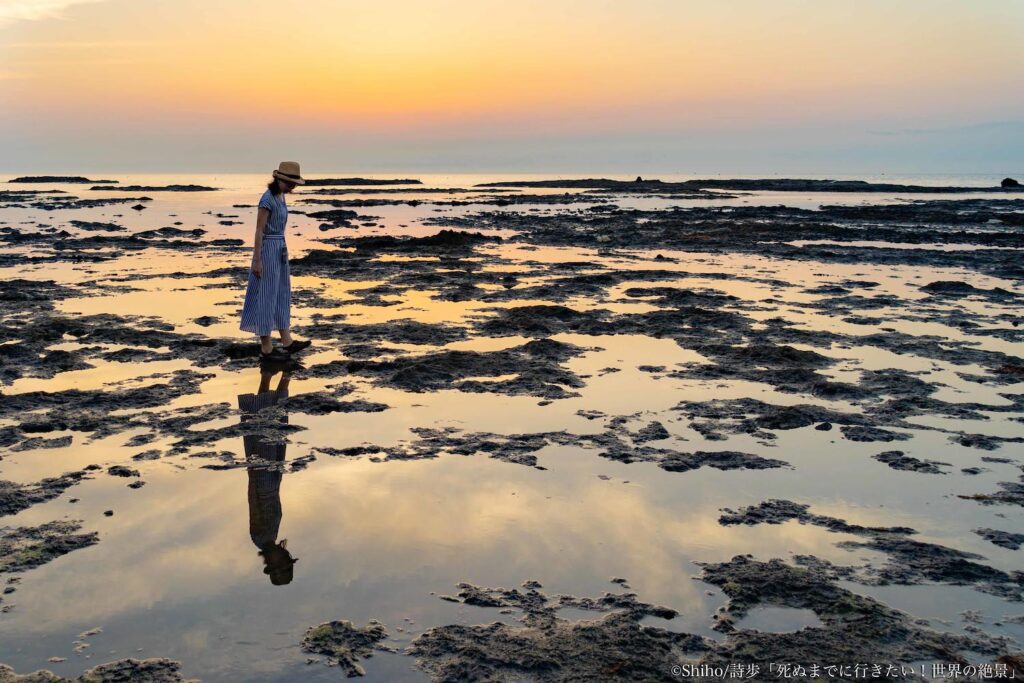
[(284, 300), (266, 344)]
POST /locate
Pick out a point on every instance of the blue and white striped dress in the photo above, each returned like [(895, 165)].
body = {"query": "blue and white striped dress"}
[(268, 299)]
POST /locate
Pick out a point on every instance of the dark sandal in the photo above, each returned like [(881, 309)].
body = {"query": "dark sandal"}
[(297, 346), (276, 353)]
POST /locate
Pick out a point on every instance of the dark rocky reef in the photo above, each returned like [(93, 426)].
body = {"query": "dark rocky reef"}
[(1009, 493), (316, 182), (343, 644), (15, 497), (25, 548), (856, 630), (547, 647), (154, 188), (615, 443), (898, 460), (748, 185), (535, 365), (57, 179), (909, 561), (1003, 539), (831, 234), (153, 670)]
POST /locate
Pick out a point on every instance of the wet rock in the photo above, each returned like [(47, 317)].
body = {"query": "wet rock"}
[(344, 644), (169, 232), (1004, 539), (16, 497), (1009, 182), (445, 240), (958, 289), (898, 460), (37, 442), (431, 443), (322, 403), (335, 218), (535, 368), (1010, 493), (909, 561), (756, 229), (403, 331), (94, 226), (320, 182), (154, 188), (654, 431), (742, 184), (122, 471), (24, 548), (985, 442), (101, 412), (913, 562), (779, 511), (868, 433), (751, 416), (154, 670), (719, 460), (56, 179), (803, 185), (856, 628), (547, 647)]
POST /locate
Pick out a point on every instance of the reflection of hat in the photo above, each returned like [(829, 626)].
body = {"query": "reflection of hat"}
[(289, 170), (279, 563)]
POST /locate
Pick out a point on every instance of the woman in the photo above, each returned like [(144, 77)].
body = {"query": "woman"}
[(268, 296)]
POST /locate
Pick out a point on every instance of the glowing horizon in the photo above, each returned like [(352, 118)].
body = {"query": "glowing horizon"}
[(138, 83)]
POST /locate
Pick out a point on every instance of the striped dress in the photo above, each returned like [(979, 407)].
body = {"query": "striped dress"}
[(268, 299)]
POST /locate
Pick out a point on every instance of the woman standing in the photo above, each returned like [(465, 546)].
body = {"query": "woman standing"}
[(268, 296)]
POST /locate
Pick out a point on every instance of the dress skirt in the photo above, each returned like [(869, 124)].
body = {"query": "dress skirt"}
[(268, 299)]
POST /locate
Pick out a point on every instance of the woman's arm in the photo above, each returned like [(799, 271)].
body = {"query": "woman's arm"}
[(262, 216)]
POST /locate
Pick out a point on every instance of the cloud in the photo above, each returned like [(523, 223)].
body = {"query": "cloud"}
[(21, 10), (81, 44)]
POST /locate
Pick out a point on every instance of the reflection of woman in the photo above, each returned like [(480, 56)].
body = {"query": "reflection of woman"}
[(266, 459)]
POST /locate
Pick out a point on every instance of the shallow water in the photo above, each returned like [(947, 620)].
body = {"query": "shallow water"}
[(176, 573)]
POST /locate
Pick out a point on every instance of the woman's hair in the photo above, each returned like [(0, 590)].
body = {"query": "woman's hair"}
[(275, 186)]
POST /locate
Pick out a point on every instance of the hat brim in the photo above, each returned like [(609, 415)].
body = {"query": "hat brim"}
[(290, 178)]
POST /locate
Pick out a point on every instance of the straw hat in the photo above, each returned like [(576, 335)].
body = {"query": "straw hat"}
[(289, 171)]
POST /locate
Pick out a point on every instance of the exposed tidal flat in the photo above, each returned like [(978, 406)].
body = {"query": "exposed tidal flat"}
[(550, 429)]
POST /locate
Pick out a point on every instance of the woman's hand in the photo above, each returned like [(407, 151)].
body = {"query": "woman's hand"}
[(257, 267)]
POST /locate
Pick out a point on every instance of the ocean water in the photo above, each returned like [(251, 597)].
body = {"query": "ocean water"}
[(176, 573)]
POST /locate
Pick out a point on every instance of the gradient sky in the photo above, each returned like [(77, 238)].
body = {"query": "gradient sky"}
[(689, 86)]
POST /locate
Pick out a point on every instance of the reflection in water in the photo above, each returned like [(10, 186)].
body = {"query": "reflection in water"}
[(265, 457)]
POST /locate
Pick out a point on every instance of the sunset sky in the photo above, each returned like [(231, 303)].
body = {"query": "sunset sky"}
[(683, 86)]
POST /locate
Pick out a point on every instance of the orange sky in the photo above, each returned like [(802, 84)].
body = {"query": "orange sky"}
[(77, 75)]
